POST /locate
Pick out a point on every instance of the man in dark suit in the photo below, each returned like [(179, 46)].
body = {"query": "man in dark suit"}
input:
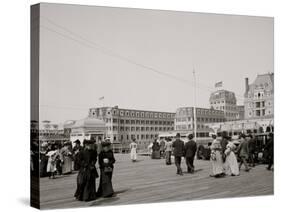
[(270, 150), (178, 149), (190, 149), (224, 142), (252, 149)]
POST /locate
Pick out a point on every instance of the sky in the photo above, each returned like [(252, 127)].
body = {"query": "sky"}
[(144, 59)]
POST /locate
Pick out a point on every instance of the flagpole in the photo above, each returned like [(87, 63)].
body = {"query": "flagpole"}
[(194, 108)]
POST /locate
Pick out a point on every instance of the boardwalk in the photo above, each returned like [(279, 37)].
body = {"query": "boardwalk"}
[(152, 181)]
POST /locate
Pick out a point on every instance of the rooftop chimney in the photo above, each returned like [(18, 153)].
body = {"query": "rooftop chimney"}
[(246, 86)]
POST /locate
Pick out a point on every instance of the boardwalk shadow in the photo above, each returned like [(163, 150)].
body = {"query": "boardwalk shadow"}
[(195, 171), (104, 201), (121, 191)]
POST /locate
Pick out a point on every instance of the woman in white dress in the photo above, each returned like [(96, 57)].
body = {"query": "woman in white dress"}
[(217, 169), (133, 147), (51, 166), (231, 165)]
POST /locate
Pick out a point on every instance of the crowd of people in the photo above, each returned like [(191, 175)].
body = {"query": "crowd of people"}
[(226, 155), (226, 158), (57, 160)]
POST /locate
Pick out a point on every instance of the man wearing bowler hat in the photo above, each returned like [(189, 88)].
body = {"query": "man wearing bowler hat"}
[(190, 148), (178, 149)]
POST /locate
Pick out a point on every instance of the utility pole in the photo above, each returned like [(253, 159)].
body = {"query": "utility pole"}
[(194, 108)]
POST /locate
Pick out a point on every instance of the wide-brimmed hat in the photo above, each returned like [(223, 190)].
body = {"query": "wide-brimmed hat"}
[(105, 143), (190, 136), (77, 141)]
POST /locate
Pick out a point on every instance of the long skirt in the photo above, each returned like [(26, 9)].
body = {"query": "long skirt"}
[(155, 154), (51, 166), (217, 164), (86, 184), (105, 186), (231, 165), (67, 165), (133, 154), (43, 165)]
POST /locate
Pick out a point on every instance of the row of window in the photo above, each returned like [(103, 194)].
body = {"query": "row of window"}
[(259, 113), (223, 102), (136, 136), (259, 95), (190, 126), (142, 129), (198, 111), (142, 122), (139, 114), (200, 119)]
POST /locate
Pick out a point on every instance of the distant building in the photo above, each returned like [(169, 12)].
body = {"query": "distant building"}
[(122, 125), (259, 97), (87, 128), (51, 132), (184, 120), (257, 126), (225, 101), (241, 112)]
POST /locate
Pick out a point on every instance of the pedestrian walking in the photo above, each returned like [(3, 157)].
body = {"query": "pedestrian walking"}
[(86, 178), (162, 148), (168, 151), (76, 151), (190, 148), (217, 169), (224, 142), (51, 166), (155, 150), (178, 149), (270, 151), (66, 158), (59, 160), (252, 150), (106, 163), (243, 152), (231, 164), (133, 147)]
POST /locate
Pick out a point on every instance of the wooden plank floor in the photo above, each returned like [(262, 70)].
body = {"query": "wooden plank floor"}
[(149, 181)]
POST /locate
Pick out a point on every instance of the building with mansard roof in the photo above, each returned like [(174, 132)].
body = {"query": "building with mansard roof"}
[(259, 97)]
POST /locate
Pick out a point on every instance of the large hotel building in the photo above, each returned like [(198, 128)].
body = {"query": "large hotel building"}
[(122, 125), (184, 120), (259, 97), (226, 101)]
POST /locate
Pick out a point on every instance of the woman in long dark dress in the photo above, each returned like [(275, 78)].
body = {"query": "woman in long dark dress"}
[(106, 161), (86, 178)]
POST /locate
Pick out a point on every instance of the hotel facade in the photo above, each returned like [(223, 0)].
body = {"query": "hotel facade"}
[(185, 122), (259, 97), (122, 125), (226, 101)]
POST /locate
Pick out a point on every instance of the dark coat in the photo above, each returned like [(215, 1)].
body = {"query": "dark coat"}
[(190, 149), (86, 178), (252, 145), (269, 147), (178, 148), (105, 187), (224, 143), (155, 146)]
